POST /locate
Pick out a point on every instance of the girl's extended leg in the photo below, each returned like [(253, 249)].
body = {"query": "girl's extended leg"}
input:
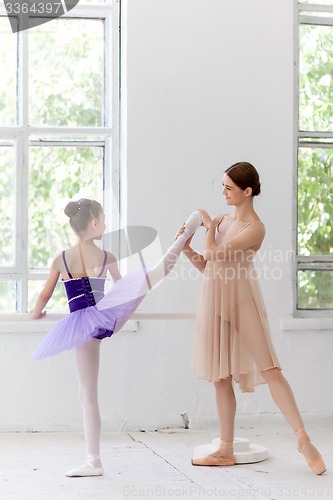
[(284, 398), (129, 291), (226, 409), (87, 359), (169, 259)]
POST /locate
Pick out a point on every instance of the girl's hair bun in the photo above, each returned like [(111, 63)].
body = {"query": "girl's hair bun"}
[(81, 212), (72, 208)]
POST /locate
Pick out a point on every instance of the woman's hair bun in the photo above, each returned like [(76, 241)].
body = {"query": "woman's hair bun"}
[(71, 208), (256, 190), (245, 175)]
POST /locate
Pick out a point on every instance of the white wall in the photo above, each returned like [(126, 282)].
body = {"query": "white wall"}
[(208, 84)]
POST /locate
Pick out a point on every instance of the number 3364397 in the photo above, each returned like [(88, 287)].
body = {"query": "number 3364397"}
[(32, 8)]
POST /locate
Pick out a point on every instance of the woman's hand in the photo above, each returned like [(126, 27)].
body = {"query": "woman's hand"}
[(207, 220), (34, 315)]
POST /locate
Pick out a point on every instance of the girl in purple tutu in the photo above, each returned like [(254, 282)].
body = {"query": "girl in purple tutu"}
[(94, 315)]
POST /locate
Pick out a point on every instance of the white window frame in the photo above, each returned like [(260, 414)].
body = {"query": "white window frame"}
[(22, 132), (307, 14)]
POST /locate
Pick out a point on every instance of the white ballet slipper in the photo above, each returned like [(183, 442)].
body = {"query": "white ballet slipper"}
[(85, 471), (192, 223)]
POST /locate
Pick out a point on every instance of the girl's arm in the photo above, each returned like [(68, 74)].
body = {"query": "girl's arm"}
[(112, 267), (45, 294)]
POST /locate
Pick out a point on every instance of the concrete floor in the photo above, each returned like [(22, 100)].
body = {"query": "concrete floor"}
[(157, 465)]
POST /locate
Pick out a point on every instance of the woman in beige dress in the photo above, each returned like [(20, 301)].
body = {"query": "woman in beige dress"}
[(232, 333)]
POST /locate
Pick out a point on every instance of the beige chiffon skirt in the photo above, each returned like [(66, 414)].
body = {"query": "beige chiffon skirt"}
[(232, 330)]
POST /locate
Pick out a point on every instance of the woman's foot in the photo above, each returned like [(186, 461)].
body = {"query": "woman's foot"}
[(223, 457), (91, 467), (310, 452)]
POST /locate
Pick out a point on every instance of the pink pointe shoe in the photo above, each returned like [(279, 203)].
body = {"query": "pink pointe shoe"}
[(310, 453)]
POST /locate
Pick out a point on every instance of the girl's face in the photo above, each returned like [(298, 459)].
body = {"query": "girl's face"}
[(234, 195)]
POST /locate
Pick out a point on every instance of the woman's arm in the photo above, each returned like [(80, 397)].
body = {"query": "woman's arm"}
[(195, 258), (45, 294), (250, 238)]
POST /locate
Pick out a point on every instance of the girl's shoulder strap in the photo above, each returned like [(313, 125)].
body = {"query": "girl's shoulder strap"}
[(66, 265), (82, 261), (104, 263)]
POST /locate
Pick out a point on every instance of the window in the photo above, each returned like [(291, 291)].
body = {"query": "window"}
[(58, 138), (314, 150)]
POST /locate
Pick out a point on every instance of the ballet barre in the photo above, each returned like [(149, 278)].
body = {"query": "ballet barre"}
[(22, 323)]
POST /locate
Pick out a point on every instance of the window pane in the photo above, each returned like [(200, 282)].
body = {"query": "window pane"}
[(7, 205), (67, 73), (58, 175), (65, 136), (316, 73), (315, 289), (56, 304), (315, 201), (316, 2), (8, 59), (7, 296)]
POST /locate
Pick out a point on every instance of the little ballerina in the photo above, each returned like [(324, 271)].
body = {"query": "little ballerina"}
[(93, 315)]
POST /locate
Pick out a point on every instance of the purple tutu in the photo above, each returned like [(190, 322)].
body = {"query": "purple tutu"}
[(95, 315), (91, 319)]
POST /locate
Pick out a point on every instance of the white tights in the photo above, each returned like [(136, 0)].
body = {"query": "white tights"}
[(87, 355), (87, 360), (169, 259)]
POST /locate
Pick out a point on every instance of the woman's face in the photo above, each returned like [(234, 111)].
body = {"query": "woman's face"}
[(234, 195)]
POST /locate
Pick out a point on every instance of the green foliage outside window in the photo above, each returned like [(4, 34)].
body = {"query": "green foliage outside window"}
[(315, 166), (8, 44), (66, 63), (7, 205), (316, 74), (315, 201), (66, 89)]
